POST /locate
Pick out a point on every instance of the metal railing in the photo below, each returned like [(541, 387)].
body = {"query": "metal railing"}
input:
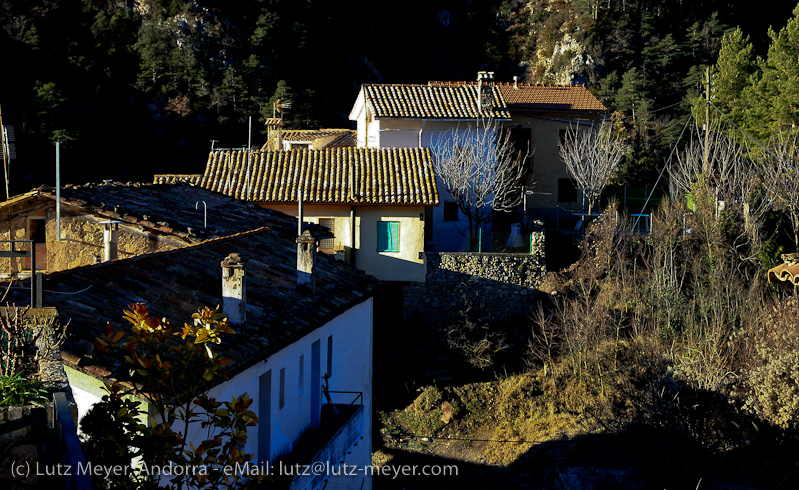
[(357, 400), (71, 452)]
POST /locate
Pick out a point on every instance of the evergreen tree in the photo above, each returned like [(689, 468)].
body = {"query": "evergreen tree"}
[(774, 99)]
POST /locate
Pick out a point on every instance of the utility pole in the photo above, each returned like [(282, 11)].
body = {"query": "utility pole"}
[(707, 122), (3, 146)]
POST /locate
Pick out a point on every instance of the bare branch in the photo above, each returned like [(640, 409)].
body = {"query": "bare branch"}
[(481, 168), (592, 157)]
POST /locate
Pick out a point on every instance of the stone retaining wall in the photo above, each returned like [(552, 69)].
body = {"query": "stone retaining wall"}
[(28, 435), (505, 284)]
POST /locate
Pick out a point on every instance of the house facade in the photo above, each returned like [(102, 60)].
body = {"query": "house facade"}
[(537, 116), (425, 116), (289, 336), (375, 202), (540, 117)]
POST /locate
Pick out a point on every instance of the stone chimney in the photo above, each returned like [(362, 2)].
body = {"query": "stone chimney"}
[(485, 90), (274, 133), (110, 240), (234, 289), (306, 255)]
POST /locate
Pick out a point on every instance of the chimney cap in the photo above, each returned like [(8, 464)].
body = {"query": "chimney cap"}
[(233, 260), (306, 237)]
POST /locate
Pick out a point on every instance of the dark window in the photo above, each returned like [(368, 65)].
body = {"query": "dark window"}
[(282, 387), (330, 356), (301, 376), (567, 190), (37, 231), (450, 211)]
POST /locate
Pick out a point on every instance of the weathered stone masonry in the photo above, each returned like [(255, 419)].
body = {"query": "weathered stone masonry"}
[(506, 283)]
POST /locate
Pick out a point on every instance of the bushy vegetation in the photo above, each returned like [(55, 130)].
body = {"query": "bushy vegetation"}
[(24, 339), (169, 368)]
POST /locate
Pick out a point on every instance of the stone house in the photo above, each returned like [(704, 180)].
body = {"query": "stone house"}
[(113, 220), (293, 327), (376, 203)]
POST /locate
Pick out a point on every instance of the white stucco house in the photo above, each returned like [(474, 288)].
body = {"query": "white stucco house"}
[(420, 115), (376, 202), (298, 318), (424, 116)]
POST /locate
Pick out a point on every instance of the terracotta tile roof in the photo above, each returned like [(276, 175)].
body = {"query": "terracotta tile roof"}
[(167, 208), (339, 138), (456, 101), (340, 175), (175, 283), (550, 97), (787, 272), (530, 96)]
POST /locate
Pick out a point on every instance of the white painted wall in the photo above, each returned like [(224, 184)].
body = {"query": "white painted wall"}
[(351, 371), (404, 265)]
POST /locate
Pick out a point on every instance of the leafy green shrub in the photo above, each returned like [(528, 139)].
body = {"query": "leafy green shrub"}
[(16, 390)]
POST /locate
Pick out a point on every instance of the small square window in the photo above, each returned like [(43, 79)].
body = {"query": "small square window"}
[(388, 234), (450, 211)]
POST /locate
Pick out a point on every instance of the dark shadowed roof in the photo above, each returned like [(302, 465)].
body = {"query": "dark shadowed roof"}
[(335, 176), (175, 283), (176, 209)]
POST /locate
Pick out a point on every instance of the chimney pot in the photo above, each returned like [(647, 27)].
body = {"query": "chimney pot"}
[(110, 240), (234, 289)]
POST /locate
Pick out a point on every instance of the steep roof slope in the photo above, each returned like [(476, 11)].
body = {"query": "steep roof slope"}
[(175, 283), (179, 209), (335, 176)]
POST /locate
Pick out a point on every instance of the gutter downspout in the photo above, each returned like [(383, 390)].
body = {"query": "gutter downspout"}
[(58, 190), (353, 228)]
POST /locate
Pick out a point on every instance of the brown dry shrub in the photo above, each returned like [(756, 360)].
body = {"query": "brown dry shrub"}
[(770, 388)]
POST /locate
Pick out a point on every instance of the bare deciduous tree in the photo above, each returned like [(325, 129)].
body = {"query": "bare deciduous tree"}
[(592, 157), (716, 168), (482, 169)]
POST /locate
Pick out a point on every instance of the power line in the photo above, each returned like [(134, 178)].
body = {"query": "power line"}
[(742, 131), (665, 166)]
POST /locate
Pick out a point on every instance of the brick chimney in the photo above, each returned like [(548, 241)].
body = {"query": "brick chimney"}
[(234, 289), (306, 255)]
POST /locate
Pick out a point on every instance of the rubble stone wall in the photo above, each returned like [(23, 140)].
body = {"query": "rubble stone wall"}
[(505, 283)]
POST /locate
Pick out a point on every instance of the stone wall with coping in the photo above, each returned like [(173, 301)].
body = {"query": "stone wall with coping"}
[(505, 283), (28, 435)]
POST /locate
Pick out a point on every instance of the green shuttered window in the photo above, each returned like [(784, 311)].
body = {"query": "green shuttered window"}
[(388, 233)]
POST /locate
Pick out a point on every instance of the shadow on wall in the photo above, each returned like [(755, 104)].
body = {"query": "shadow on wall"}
[(507, 283)]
